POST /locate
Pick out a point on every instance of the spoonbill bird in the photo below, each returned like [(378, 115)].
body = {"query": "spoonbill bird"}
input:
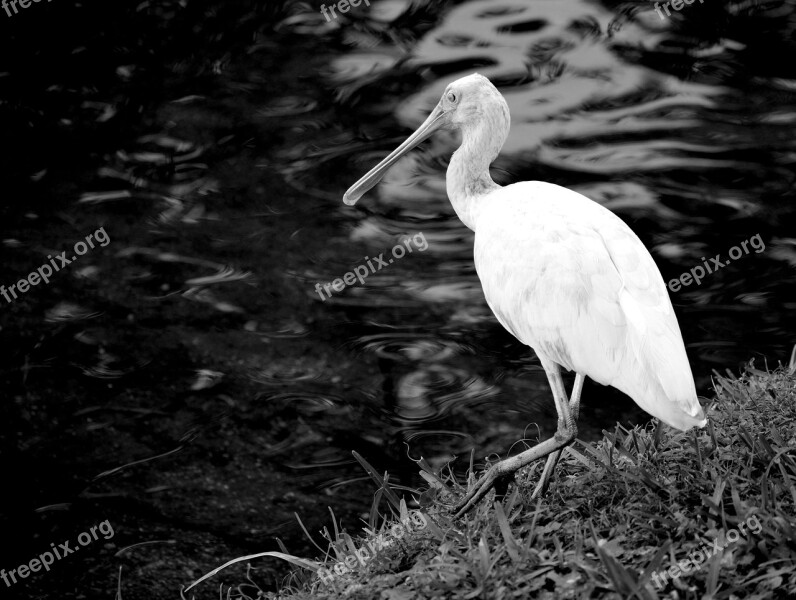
[(560, 272)]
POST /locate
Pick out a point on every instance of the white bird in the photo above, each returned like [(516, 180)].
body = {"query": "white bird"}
[(560, 272)]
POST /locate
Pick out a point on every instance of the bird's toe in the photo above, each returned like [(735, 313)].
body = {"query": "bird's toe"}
[(479, 490)]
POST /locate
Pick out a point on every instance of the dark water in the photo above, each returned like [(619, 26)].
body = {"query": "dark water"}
[(213, 143)]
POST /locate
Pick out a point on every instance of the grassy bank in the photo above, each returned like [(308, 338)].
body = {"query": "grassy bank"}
[(615, 523)]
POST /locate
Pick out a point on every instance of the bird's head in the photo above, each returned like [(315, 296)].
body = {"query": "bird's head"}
[(467, 103)]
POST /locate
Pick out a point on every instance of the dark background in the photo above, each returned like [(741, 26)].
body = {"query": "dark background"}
[(213, 142)]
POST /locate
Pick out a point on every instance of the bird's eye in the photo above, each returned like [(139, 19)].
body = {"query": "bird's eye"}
[(451, 97)]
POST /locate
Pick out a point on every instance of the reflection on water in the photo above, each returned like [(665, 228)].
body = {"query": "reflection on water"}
[(227, 210), (691, 157)]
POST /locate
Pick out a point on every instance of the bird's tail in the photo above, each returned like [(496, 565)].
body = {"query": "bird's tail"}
[(660, 380)]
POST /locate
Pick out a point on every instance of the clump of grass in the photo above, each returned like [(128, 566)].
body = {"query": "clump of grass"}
[(633, 505)]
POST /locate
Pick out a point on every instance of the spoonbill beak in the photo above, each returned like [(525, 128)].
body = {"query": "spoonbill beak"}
[(436, 120)]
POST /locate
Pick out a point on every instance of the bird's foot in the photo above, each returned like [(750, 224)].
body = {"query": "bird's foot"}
[(547, 475), (494, 477), (540, 489), (505, 469)]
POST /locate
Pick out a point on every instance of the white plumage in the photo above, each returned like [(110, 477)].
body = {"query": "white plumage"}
[(563, 274), (568, 278)]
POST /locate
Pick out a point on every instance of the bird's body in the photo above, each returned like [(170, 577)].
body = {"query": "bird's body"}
[(562, 273), (568, 278)]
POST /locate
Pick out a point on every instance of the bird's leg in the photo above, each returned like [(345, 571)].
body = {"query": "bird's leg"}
[(552, 460), (566, 432)]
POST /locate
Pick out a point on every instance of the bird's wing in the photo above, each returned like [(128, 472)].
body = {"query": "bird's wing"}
[(572, 280), (654, 334)]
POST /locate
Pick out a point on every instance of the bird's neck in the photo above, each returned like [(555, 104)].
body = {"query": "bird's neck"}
[(468, 179)]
